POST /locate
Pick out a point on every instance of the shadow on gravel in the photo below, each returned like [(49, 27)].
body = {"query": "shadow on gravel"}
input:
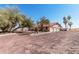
[(24, 33)]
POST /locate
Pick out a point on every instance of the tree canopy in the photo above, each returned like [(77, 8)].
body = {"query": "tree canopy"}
[(44, 20), (11, 18)]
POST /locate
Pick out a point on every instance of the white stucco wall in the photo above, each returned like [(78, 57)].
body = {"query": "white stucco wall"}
[(54, 29)]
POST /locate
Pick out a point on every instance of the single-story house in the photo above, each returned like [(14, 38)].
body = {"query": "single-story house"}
[(55, 27), (52, 27)]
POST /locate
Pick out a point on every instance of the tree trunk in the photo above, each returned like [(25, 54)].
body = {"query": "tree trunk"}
[(65, 25), (70, 27), (15, 29)]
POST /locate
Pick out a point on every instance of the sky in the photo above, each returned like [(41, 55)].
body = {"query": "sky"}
[(54, 12)]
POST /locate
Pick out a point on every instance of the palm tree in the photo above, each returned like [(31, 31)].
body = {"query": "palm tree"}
[(70, 24), (65, 21), (69, 21), (68, 17)]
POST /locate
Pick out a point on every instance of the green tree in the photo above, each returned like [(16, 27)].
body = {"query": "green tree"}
[(65, 21), (70, 24), (69, 21), (30, 23), (68, 17), (43, 21), (11, 19), (20, 22)]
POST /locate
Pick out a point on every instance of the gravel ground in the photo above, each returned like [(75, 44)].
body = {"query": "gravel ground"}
[(51, 43)]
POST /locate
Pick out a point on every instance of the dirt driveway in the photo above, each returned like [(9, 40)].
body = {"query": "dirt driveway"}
[(51, 43)]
